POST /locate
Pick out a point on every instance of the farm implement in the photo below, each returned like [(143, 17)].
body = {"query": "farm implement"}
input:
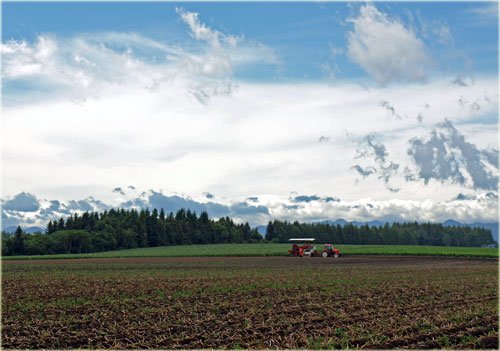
[(304, 247)]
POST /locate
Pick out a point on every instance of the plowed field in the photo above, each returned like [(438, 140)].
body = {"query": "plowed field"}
[(240, 302)]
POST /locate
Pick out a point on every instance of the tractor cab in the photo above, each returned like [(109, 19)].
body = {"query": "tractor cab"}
[(302, 247)]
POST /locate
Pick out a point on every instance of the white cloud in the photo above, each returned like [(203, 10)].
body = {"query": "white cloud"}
[(482, 207), (386, 49), (136, 123), (447, 156), (484, 13), (329, 71), (83, 66), (379, 164), (28, 210), (443, 33), (264, 140), (200, 31), (336, 51), (217, 60), (21, 59), (433, 30)]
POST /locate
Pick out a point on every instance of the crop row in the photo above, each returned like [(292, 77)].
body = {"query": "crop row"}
[(240, 302)]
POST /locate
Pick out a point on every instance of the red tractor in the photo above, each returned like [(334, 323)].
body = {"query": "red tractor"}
[(330, 251), (307, 249)]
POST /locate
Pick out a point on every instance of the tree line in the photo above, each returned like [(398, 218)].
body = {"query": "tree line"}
[(412, 233), (127, 229)]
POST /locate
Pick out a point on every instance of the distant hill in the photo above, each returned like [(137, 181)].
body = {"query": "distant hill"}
[(453, 223)]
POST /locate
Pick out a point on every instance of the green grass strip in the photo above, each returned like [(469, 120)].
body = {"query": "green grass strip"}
[(221, 250)]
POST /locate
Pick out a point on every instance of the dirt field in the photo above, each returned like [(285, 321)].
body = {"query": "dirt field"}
[(263, 302)]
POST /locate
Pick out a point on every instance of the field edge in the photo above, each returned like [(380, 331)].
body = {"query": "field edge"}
[(265, 250)]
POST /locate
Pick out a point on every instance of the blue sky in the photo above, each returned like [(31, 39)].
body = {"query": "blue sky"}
[(302, 34), (390, 108)]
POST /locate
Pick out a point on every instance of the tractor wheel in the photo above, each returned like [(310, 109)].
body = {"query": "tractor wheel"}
[(324, 254), (336, 255)]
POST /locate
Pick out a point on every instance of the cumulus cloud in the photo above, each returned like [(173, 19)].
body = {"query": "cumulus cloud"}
[(173, 203), (311, 198), (239, 210), (118, 190), (385, 48), (375, 153), (465, 208), (291, 208), (208, 195), (305, 198), (373, 148), (481, 207), (23, 202), (27, 209), (447, 156), (244, 209), (488, 195), (364, 172), (458, 82), (89, 204), (386, 105)]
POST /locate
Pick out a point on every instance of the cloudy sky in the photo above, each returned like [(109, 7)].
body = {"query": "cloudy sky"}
[(302, 111)]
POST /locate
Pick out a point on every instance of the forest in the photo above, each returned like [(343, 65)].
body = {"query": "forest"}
[(411, 233), (126, 229)]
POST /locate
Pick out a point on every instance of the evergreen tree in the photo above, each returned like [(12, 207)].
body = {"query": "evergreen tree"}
[(50, 228), (60, 224), (19, 246), (270, 231)]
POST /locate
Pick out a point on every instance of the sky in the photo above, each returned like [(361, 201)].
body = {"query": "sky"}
[(304, 111)]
